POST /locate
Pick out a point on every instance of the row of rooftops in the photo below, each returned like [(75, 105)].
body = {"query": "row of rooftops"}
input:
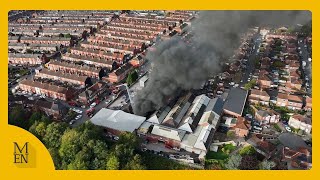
[(64, 64), (45, 72), (128, 31), (89, 59), (290, 97), (122, 69), (132, 27), (151, 27), (12, 44), (20, 55), (125, 36), (63, 17), (25, 38), (37, 25), (96, 53), (45, 86), (107, 40), (127, 48)]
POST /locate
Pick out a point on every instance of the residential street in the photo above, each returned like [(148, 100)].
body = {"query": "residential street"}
[(308, 68), (251, 60)]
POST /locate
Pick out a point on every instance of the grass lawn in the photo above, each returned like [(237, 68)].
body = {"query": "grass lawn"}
[(155, 162), (223, 152), (276, 126), (217, 155)]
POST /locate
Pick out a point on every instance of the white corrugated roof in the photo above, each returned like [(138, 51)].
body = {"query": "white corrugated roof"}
[(117, 119), (168, 132)]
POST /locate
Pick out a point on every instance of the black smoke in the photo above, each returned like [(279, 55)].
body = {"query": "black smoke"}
[(177, 65)]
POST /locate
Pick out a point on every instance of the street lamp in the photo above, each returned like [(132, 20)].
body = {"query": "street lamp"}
[(127, 89)]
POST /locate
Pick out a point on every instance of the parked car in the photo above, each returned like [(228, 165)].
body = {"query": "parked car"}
[(93, 105), (257, 128), (288, 128), (108, 101), (171, 156), (72, 121), (249, 116), (116, 138), (176, 148), (256, 123)]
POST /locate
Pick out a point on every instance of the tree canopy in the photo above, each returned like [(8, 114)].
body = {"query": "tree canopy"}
[(250, 84), (132, 77)]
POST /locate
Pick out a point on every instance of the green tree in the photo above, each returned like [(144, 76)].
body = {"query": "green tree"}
[(67, 35), (34, 117), (94, 132), (113, 162), (70, 145), (267, 165), (132, 77), (135, 163), (99, 149), (129, 139), (124, 154), (81, 160), (247, 150), (98, 164), (231, 134), (53, 134), (278, 64), (233, 162), (55, 157), (18, 118), (38, 129), (250, 84)]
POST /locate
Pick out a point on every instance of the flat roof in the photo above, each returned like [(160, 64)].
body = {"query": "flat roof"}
[(236, 100)]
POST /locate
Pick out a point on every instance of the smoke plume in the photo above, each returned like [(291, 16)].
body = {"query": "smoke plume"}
[(177, 65)]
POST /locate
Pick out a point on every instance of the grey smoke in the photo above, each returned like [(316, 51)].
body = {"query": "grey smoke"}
[(177, 65)]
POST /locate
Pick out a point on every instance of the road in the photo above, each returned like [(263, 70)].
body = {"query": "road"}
[(308, 68), (251, 60)]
